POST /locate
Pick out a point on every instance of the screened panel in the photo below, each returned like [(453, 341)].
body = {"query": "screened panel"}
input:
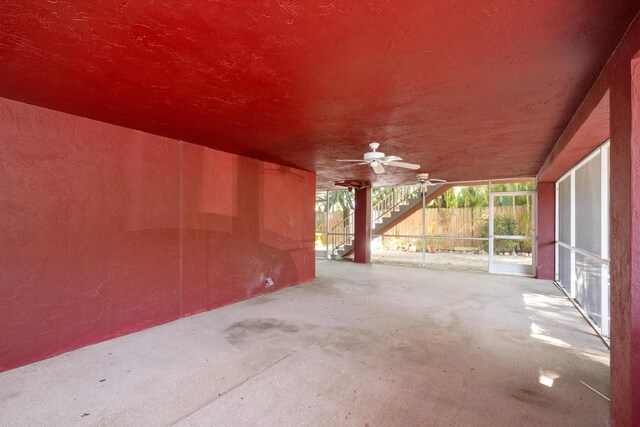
[(583, 268), (564, 267), (397, 250), (411, 226), (321, 221), (589, 286), (513, 215), (564, 210), (460, 212), (340, 219), (458, 222), (321, 224), (388, 201), (337, 244), (452, 231), (607, 295), (455, 224), (513, 186), (321, 245), (510, 251), (457, 254), (588, 206)]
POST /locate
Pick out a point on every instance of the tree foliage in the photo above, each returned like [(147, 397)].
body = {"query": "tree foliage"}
[(341, 200), (478, 196), (462, 197)]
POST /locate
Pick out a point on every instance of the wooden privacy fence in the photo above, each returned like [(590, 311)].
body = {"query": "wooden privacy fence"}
[(452, 222), (458, 222)]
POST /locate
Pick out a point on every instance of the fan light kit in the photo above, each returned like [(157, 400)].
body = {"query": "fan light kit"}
[(377, 160)]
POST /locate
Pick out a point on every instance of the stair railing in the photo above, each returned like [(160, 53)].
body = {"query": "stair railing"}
[(343, 232), (398, 197)]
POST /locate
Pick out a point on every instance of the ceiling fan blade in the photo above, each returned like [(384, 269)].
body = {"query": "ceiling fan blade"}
[(377, 167), (404, 165), (437, 181), (343, 160), (387, 159), (354, 164)]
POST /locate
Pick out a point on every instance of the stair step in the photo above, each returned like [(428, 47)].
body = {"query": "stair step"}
[(400, 209)]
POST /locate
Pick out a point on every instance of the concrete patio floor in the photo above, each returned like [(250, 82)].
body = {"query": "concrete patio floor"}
[(361, 345)]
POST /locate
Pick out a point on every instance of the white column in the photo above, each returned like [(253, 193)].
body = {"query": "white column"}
[(490, 228), (572, 216), (604, 237)]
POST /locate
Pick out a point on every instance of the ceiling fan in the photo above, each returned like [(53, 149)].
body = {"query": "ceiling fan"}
[(377, 160), (424, 181)]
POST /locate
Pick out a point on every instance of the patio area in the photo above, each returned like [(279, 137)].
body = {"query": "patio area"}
[(360, 345)]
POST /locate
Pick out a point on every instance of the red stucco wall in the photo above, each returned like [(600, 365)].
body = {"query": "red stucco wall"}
[(546, 231), (105, 230), (625, 237), (615, 97)]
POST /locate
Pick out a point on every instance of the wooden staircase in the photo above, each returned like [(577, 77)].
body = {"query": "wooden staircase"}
[(397, 206)]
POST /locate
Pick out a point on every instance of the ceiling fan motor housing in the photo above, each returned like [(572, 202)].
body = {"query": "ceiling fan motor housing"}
[(373, 155), (422, 177)]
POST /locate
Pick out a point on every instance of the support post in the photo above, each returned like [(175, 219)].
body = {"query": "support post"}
[(491, 242), (625, 243), (423, 191), (362, 231), (326, 226), (545, 230)]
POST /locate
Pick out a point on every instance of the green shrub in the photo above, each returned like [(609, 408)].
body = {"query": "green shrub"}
[(525, 246), (502, 226), (394, 244)]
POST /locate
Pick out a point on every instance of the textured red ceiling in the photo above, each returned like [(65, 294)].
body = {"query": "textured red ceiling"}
[(469, 89)]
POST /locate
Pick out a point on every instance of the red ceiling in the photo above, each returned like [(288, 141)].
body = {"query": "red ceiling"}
[(469, 89)]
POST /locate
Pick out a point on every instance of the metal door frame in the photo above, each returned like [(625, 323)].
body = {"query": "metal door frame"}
[(513, 269)]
